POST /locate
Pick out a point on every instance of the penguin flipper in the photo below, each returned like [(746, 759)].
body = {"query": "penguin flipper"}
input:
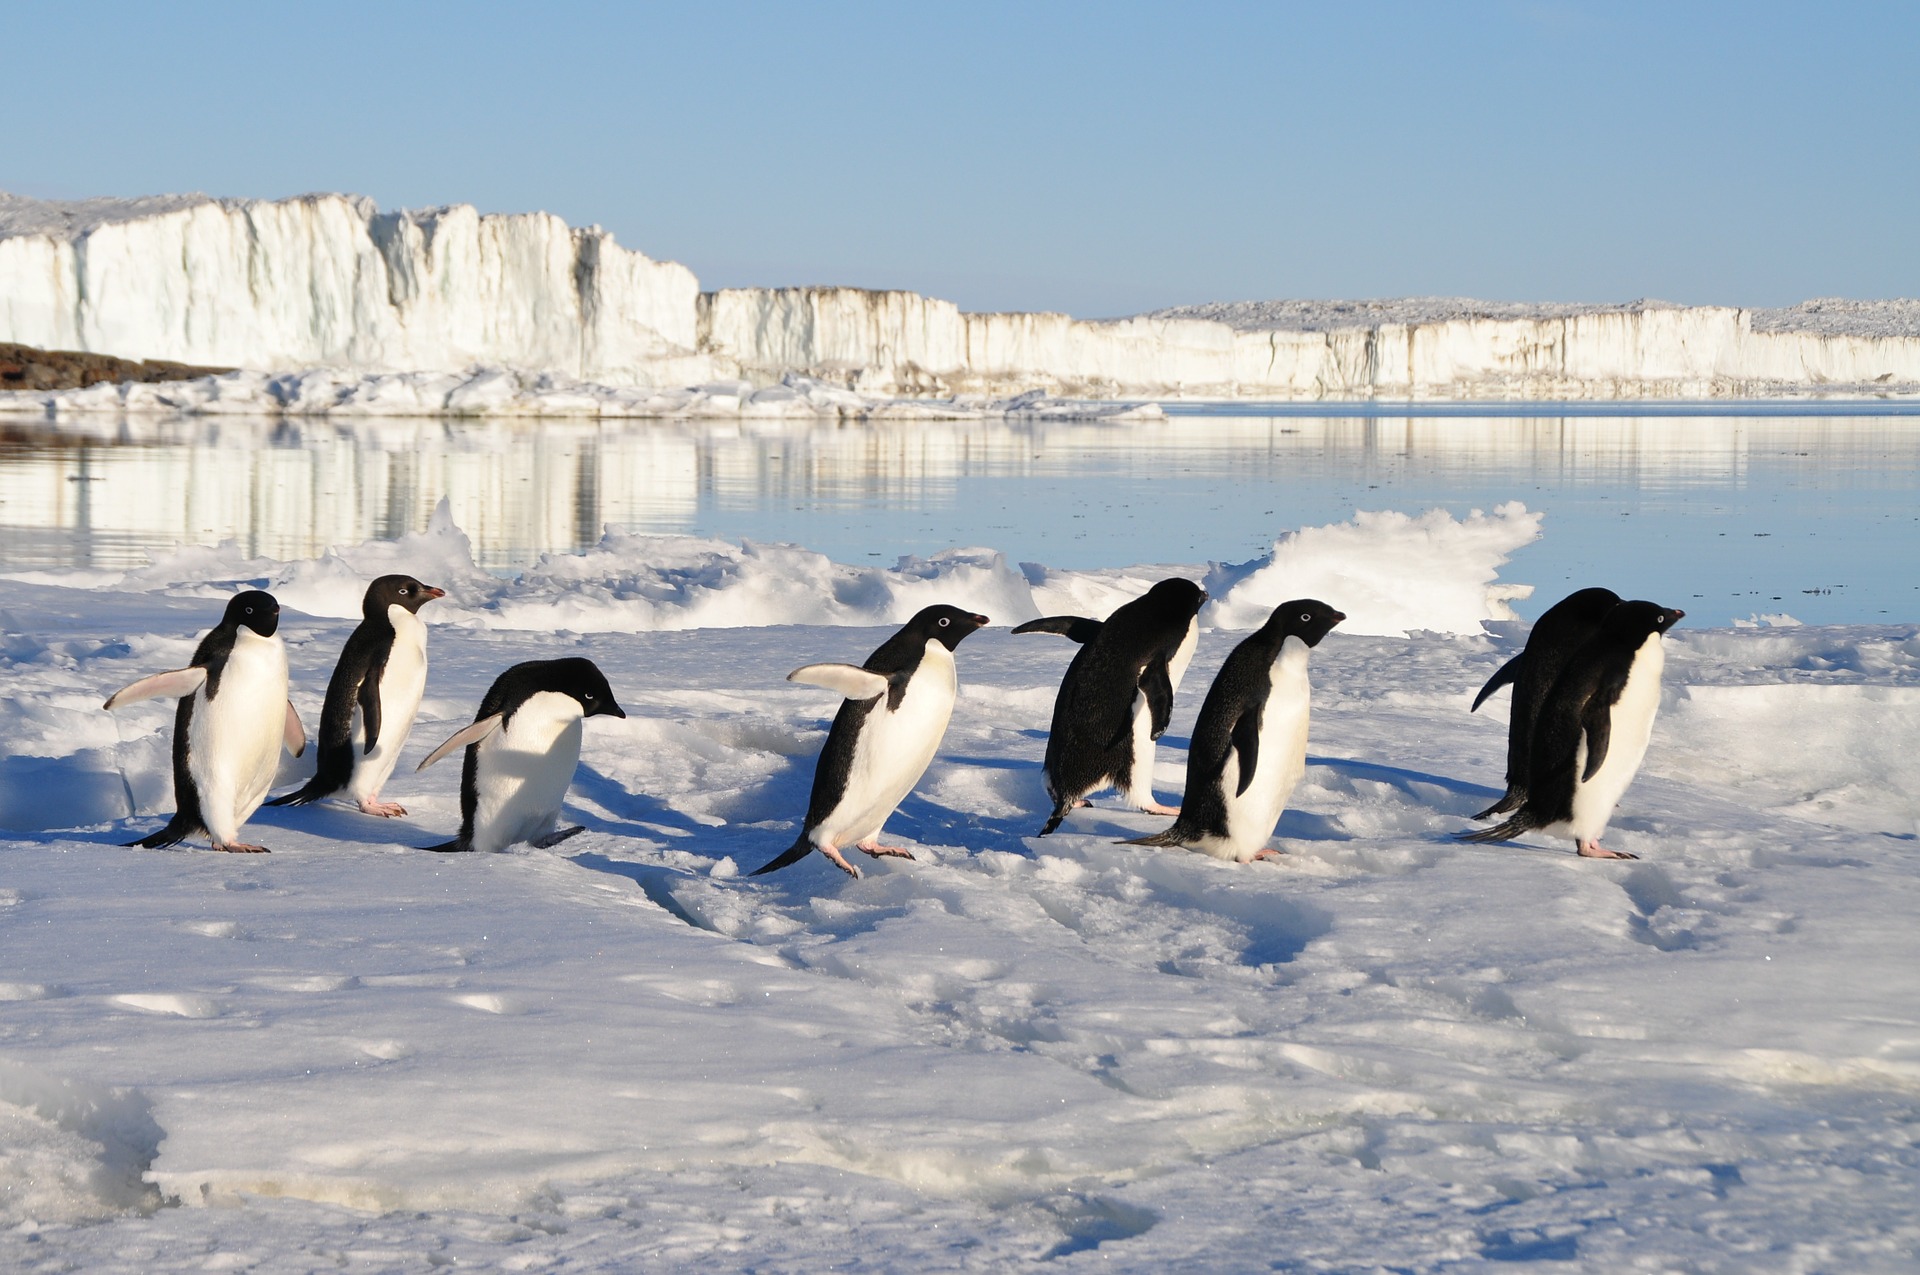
[(292, 733), (178, 683), (1156, 683), (849, 680), (1500, 832), (470, 735), (1506, 675), (1075, 628), (790, 856), (369, 698), (1246, 740), (1596, 719)]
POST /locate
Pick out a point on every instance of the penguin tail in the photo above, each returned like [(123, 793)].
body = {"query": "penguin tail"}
[(1511, 801), (1174, 836), (178, 829), (1061, 806), (459, 845), (303, 796), (1500, 832), (792, 855)]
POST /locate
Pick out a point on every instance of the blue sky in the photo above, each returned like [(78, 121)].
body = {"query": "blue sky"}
[(1097, 159)]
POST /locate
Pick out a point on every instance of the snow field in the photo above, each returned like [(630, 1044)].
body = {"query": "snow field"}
[(1386, 1051)]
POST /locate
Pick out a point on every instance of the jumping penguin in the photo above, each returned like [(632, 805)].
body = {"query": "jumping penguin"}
[(233, 719), (883, 738), (1592, 731), (372, 698), (1117, 696), (1250, 742), (1567, 626), (522, 749)]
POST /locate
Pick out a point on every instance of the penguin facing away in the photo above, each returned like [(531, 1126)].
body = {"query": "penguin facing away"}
[(1117, 696), (234, 718), (884, 736), (372, 698), (522, 749), (1592, 731), (1566, 626), (1250, 742)]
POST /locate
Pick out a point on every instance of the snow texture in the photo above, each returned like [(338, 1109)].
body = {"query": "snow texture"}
[(336, 306), (1387, 1051)]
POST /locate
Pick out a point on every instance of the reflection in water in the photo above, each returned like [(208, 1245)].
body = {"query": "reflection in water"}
[(1749, 514)]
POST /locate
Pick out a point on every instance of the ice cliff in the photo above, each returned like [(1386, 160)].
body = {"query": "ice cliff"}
[(330, 281)]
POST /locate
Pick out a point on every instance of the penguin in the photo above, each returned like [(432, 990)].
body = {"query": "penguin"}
[(882, 739), (234, 718), (372, 698), (522, 748), (1250, 742), (1592, 731), (1567, 626), (1117, 696)]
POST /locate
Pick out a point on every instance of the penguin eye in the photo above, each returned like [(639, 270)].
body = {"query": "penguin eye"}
[(1306, 618), (405, 591), (249, 610), (589, 695), (944, 621)]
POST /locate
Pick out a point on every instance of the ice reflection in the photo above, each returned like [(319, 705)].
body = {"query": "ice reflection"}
[(1775, 508)]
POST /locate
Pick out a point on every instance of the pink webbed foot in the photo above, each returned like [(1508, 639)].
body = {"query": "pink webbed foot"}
[(385, 809), (1594, 850), (1083, 804), (874, 849), (1269, 853), (1155, 808), (840, 861)]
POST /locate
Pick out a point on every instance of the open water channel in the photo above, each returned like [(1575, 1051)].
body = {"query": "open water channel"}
[(1807, 510)]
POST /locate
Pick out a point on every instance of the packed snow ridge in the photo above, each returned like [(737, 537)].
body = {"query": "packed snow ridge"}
[(580, 323)]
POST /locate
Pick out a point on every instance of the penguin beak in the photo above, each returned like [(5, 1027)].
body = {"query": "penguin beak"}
[(430, 593), (979, 621), (1338, 616), (610, 709)]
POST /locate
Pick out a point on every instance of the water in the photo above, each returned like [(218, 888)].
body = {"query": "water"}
[(1810, 513)]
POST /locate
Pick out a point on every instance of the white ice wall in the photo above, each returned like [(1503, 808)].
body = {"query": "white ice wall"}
[(327, 279)]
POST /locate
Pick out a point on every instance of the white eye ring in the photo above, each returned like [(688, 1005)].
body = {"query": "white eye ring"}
[(1306, 618), (944, 621)]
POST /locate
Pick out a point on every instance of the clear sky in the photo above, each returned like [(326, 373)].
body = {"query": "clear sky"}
[(1100, 159)]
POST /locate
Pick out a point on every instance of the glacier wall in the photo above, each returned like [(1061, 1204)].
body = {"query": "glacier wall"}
[(330, 281)]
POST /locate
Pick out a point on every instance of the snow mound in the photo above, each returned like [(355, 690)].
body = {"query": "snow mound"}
[(1392, 573)]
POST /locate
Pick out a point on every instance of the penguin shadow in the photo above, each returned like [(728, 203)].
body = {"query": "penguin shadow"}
[(635, 814), (329, 820), (1457, 797), (656, 882)]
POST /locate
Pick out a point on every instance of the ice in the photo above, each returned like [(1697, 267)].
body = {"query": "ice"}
[(1386, 1050), (333, 306)]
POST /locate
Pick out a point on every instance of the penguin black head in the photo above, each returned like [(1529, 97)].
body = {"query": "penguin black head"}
[(253, 610), (1177, 597), (582, 679), (1308, 619), (397, 591), (1639, 620), (944, 624)]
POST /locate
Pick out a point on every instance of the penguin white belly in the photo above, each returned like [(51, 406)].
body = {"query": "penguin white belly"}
[(1140, 776), (892, 751), (402, 683), (1254, 814), (1630, 729), (522, 772), (234, 739)]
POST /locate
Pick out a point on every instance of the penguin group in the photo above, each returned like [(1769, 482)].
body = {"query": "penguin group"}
[(1586, 687)]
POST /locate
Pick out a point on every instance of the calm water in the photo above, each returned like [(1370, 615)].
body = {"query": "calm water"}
[(1814, 515)]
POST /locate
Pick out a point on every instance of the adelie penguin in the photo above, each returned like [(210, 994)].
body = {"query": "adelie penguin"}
[(1250, 742), (372, 698), (522, 749), (889, 726), (1592, 731), (1117, 696), (234, 718), (1567, 625)]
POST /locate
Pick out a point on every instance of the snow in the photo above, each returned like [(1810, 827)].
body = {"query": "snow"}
[(1388, 1051), (332, 305)]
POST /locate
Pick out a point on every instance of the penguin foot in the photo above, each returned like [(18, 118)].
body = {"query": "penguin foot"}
[(553, 839), (1268, 853), (241, 847), (1155, 808), (385, 809), (840, 861), (876, 851), (1594, 850), (1084, 803)]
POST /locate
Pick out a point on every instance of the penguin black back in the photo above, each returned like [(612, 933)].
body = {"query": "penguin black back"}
[(1563, 629), (1090, 741)]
